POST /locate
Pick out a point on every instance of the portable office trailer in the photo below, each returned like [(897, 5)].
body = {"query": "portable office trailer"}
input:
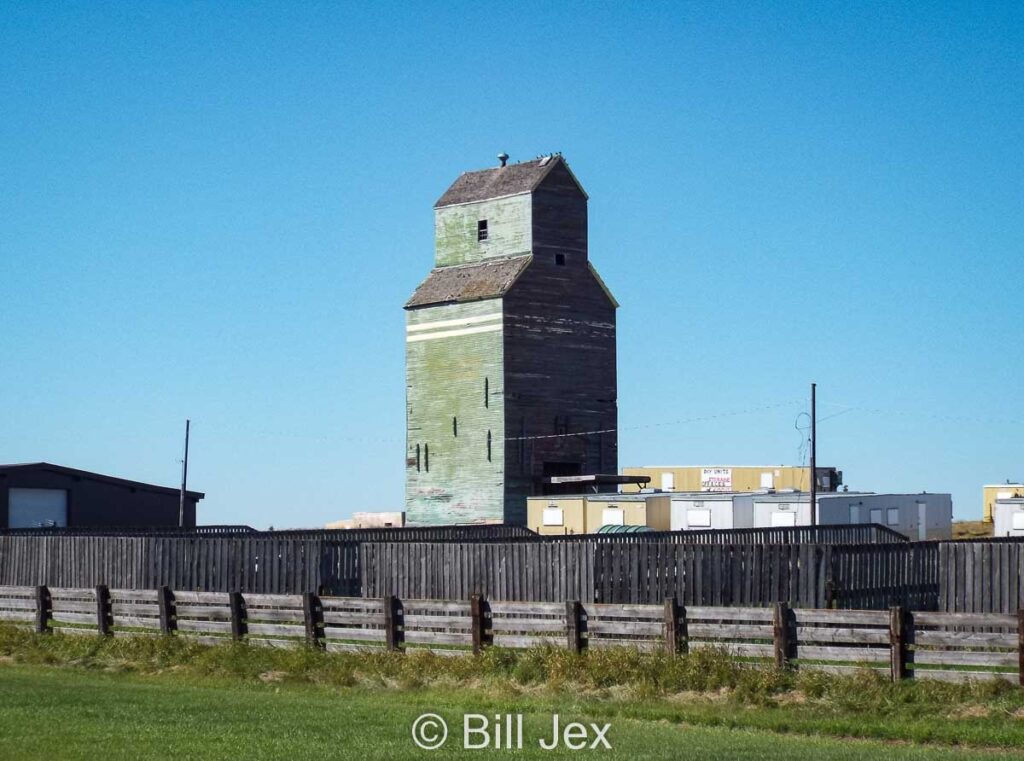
[(1008, 517), (652, 510), (990, 493), (917, 516), (733, 478), (699, 511), (558, 514)]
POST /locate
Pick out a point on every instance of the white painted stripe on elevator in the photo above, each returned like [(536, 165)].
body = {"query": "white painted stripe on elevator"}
[(450, 333), (461, 322)]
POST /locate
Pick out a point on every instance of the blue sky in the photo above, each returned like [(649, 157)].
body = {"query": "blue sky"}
[(216, 211)]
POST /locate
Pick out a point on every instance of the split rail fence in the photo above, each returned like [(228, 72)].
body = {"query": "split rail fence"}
[(895, 643)]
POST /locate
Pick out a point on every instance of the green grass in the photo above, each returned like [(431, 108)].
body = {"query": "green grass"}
[(152, 695), (49, 713)]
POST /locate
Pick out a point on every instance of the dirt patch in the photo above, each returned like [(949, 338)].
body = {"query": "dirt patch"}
[(791, 698), (969, 712), (273, 676)]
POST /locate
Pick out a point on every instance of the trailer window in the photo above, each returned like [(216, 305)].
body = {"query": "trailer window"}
[(613, 517), (783, 520), (698, 518), (552, 516)]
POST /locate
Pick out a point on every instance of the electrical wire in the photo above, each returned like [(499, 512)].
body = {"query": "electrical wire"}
[(684, 421)]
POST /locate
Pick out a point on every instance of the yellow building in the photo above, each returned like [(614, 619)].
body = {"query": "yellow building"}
[(991, 492), (734, 478), (586, 513)]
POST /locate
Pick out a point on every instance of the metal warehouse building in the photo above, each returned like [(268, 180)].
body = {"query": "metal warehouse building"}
[(39, 494)]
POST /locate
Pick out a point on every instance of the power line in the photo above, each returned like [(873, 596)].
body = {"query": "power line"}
[(683, 421), (913, 413)]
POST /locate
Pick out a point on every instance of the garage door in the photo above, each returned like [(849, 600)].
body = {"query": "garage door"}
[(30, 508)]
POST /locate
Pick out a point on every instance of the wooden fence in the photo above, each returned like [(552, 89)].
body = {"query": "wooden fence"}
[(266, 562), (868, 533), (981, 576), (481, 532), (804, 575), (966, 577), (210, 564), (895, 642)]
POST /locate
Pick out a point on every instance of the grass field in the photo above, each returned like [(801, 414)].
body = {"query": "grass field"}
[(160, 697), (50, 713)]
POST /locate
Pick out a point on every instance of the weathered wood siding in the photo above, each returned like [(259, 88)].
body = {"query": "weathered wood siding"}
[(560, 378), (454, 397), (560, 217), (508, 230)]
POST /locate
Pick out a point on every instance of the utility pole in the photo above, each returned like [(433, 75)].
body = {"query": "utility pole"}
[(814, 458), (184, 479)]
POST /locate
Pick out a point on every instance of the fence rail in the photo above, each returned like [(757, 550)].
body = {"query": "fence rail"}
[(896, 642)]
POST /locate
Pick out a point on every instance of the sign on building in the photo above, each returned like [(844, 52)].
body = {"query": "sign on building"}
[(716, 479)]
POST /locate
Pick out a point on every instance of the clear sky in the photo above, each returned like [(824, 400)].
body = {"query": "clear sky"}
[(216, 211)]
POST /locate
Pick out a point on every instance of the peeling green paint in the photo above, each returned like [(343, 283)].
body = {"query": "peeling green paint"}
[(508, 230)]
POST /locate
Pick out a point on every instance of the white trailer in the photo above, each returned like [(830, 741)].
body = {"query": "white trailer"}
[(916, 516), (700, 511), (1008, 517)]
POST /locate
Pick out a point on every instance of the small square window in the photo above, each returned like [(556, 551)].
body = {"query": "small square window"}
[(560, 260), (553, 516), (481, 230), (892, 516), (613, 517), (698, 518)]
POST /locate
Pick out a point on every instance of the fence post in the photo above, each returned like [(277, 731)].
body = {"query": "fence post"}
[(478, 609), (238, 616), (166, 604), (898, 643), (313, 616), (103, 614), (780, 634), (683, 629), (673, 642), (1020, 646), (392, 623), (44, 610), (573, 621)]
